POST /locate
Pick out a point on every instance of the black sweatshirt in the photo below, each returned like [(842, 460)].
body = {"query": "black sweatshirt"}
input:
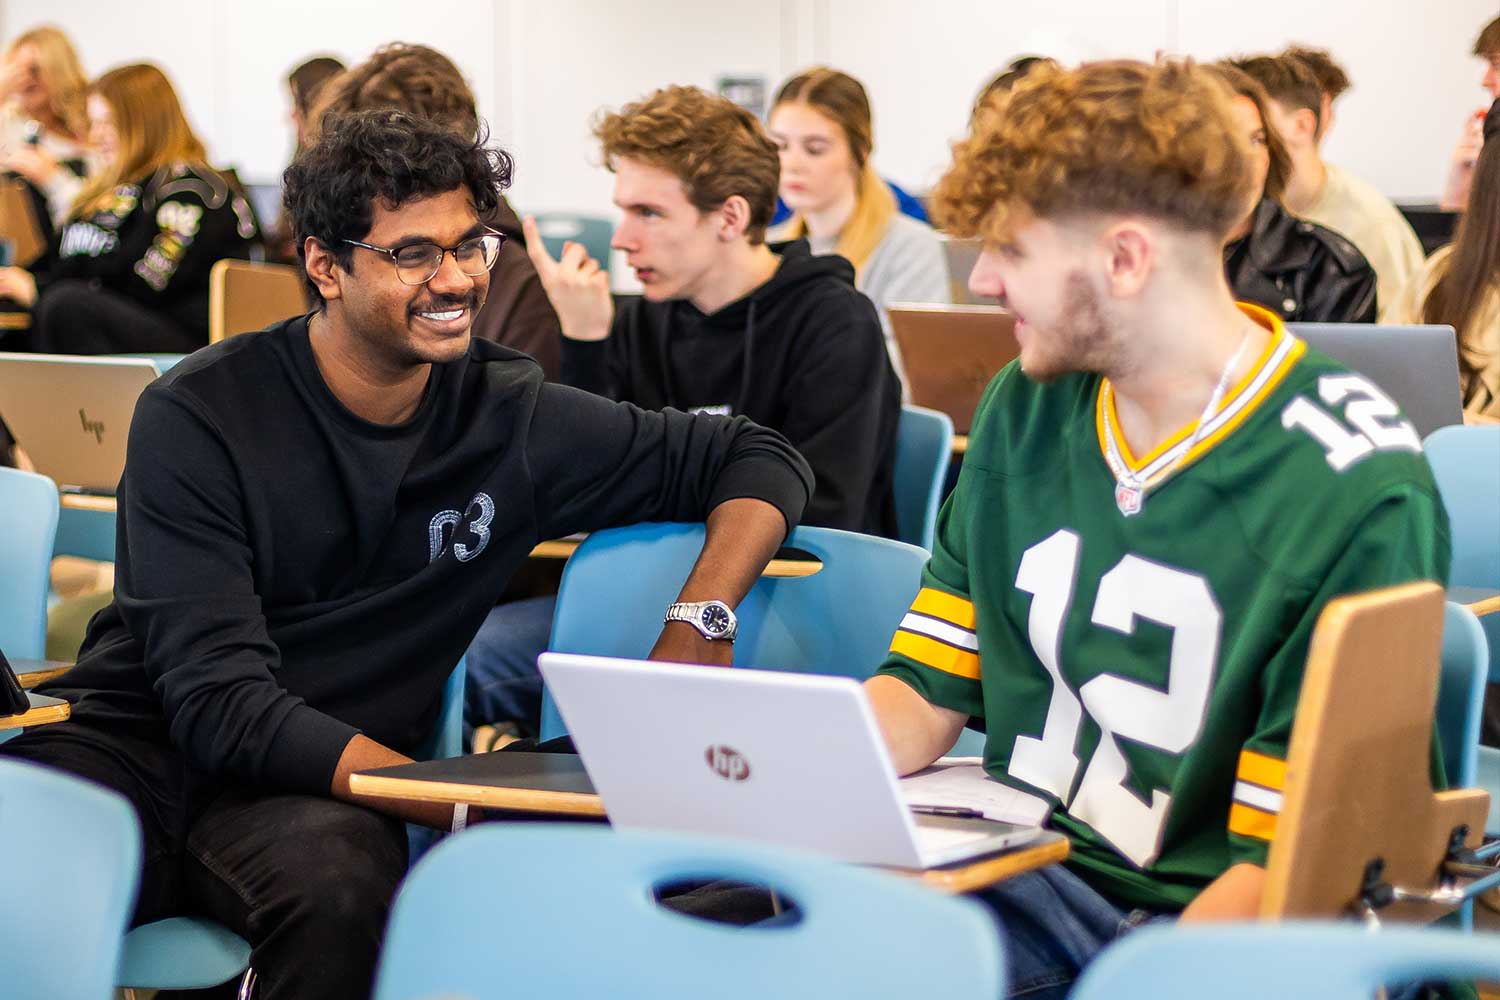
[(803, 353), (289, 574), (155, 241)]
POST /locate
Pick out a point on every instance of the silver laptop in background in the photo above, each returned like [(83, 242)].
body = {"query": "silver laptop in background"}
[(1417, 366), (789, 759), (962, 255), (72, 414)]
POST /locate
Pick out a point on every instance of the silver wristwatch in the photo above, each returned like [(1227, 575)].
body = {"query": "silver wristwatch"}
[(712, 619)]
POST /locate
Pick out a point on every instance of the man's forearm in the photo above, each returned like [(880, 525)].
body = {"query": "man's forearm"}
[(916, 731), (741, 537), (364, 754)]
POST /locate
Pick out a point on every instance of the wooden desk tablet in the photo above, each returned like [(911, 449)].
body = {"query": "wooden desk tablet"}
[(556, 784), (557, 548), (550, 783), (43, 710), (1480, 600), (33, 672)]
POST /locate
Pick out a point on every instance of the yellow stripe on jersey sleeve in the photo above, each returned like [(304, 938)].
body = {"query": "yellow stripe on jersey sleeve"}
[(948, 607), (937, 655), (1248, 821), (1258, 769)]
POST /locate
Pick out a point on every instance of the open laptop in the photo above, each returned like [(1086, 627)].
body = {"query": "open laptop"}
[(951, 353), (961, 255), (1417, 366), (72, 414), (789, 759)]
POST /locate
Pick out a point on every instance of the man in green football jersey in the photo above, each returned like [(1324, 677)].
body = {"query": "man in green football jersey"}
[(1157, 502)]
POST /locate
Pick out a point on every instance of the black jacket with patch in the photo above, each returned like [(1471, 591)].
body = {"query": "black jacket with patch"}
[(156, 240), (1299, 270)]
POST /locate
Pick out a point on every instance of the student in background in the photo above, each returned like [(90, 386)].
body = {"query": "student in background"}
[(43, 123), (725, 324), (129, 272), (822, 127), (1297, 269), (1005, 81), (1466, 153), (303, 83), (423, 81), (1327, 194), (1460, 284), (1333, 82)]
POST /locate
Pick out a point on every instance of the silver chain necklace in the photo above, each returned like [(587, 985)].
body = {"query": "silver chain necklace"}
[(1130, 488)]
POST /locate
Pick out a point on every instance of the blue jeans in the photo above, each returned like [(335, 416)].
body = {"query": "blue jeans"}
[(503, 684), (1053, 924)]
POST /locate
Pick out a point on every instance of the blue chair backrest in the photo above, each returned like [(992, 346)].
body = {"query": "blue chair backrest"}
[(1287, 961), (579, 920), (28, 526), (1466, 463), (73, 858), (838, 621), (557, 228), (924, 448), (1465, 668)]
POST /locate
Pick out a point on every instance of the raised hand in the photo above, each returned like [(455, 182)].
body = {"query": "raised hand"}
[(577, 285)]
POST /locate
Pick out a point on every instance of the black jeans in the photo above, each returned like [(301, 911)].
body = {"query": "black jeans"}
[(78, 317), (308, 881)]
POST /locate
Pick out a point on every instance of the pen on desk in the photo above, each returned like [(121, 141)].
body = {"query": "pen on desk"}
[(957, 812)]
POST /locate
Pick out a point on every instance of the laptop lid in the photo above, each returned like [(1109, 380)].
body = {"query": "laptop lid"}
[(951, 353), (791, 759), (72, 414), (961, 255), (1417, 366)]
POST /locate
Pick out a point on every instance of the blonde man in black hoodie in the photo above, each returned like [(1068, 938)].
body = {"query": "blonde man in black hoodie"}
[(725, 324)]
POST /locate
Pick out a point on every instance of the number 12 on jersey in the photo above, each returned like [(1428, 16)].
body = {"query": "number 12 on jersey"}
[(1168, 720)]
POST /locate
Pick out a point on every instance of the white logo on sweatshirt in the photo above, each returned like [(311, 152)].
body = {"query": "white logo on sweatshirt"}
[(438, 537), (714, 410)]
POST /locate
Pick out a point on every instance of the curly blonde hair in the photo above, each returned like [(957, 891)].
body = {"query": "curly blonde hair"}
[(1109, 138), (714, 146)]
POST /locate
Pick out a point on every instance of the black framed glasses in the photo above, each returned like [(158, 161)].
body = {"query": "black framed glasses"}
[(418, 263)]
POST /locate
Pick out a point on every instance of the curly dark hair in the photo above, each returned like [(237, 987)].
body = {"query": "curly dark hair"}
[(329, 191)]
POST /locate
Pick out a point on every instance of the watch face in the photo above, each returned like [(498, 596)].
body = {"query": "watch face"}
[(715, 619)]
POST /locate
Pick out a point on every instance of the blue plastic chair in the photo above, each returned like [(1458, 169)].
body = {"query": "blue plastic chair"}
[(924, 447), (61, 923), (28, 506), (1308, 961), (557, 228), (1460, 703), (1466, 463), (579, 920), (838, 621)]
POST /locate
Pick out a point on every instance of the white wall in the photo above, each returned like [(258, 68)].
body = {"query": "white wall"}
[(541, 69)]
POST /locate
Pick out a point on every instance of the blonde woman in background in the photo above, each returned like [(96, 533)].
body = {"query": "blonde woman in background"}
[(43, 123), (129, 272), (1460, 284), (821, 123)]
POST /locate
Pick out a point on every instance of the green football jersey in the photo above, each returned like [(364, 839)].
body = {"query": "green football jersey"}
[(1141, 670)]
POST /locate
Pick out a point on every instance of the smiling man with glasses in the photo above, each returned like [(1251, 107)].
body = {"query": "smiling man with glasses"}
[(314, 521)]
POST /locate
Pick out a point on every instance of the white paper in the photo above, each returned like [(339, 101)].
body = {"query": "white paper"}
[(962, 782)]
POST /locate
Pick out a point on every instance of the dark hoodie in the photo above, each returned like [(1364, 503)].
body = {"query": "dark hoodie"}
[(802, 354)]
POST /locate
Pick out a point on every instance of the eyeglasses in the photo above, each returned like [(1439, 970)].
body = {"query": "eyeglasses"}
[(418, 263)]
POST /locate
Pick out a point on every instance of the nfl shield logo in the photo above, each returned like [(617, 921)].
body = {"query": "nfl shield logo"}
[(1128, 498)]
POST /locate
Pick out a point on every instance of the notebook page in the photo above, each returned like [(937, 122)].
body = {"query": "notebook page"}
[(962, 781)]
